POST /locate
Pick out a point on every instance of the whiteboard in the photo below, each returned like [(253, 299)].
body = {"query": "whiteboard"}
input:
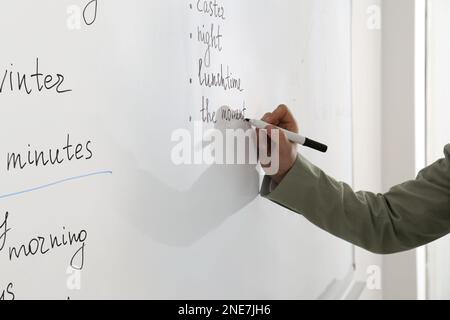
[(110, 215)]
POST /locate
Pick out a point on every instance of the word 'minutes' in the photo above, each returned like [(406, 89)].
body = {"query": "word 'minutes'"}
[(7, 293), (11, 81), (57, 156)]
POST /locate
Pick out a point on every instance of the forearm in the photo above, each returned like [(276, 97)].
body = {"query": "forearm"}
[(406, 217)]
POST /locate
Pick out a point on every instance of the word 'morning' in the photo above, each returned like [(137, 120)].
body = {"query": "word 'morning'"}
[(43, 245), (14, 81)]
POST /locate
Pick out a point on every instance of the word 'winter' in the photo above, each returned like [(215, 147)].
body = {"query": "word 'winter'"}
[(15, 81)]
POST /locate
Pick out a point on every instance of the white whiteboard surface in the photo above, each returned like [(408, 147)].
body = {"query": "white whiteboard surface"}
[(155, 230)]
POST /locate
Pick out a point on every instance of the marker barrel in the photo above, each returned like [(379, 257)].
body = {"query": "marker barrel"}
[(293, 137)]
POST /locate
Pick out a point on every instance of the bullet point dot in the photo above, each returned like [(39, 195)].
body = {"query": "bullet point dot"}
[(190, 6)]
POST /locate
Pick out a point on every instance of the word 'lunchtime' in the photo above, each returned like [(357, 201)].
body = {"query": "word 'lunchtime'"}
[(221, 79), (15, 81)]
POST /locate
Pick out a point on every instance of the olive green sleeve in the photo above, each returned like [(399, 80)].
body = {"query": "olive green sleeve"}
[(408, 216)]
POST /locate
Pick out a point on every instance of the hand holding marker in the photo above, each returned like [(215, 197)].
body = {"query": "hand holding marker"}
[(293, 137)]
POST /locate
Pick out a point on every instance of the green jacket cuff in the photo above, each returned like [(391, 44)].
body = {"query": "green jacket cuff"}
[(284, 194)]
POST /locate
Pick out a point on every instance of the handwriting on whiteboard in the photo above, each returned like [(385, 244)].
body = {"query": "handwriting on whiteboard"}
[(87, 14), (41, 245), (12, 80), (211, 72), (32, 158), (45, 244)]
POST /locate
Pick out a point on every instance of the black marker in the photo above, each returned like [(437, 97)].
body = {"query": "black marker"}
[(293, 137)]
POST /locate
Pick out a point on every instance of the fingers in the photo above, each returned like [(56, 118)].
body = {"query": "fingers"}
[(269, 141), (276, 135), (276, 153), (282, 117), (272, 148), (267, 117), (265, 145), (270, 131)]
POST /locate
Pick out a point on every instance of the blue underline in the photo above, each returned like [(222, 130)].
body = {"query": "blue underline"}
[(48, 185)]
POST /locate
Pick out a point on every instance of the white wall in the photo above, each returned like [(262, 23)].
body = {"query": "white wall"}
[(385, 125), (397, 128), (367, 117), (398, 124), (438, 131)]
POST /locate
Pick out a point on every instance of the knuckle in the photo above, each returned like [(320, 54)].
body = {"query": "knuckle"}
[(267, 115), (283, 107)]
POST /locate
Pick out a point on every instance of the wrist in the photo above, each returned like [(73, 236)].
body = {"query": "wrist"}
[(284, 170), (278, 178)]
